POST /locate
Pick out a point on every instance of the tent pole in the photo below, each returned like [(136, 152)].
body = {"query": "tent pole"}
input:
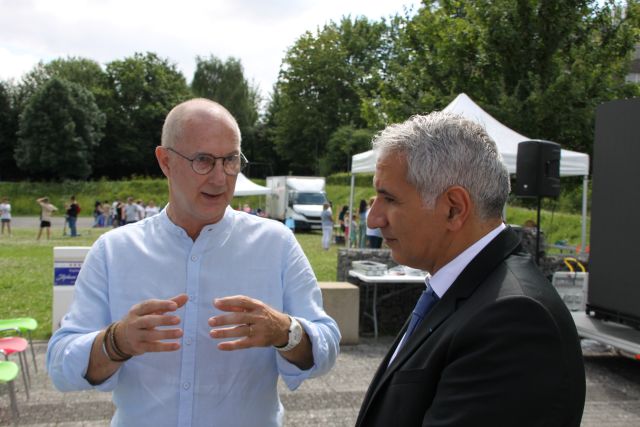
[(353, 184), (583, 238)]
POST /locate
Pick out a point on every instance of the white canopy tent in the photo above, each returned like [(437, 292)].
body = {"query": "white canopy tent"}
[(572, 163), (246, 187)]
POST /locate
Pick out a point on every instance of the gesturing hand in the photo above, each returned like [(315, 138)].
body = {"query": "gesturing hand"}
[(137, 332), (251, 320)]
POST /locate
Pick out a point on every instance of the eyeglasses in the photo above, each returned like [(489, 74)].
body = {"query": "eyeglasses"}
[(202, 163)]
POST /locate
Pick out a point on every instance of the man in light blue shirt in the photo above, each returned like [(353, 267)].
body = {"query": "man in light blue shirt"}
[(160, 305)]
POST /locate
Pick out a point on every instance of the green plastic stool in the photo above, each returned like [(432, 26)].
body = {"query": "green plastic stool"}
[(23, 324), (8, 373)]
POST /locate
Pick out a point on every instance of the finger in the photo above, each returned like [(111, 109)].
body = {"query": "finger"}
[(151, 321), (233, 332), (236, 303), (159, 346), (180, 299), (240, 344), (154, 306), (239, 318), (153, 335)]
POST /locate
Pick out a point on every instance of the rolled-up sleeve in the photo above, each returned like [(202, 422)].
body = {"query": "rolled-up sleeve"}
[(70, 346), (303, 300)]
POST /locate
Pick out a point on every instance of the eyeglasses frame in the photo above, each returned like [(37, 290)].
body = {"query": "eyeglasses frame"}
[(243, 161)]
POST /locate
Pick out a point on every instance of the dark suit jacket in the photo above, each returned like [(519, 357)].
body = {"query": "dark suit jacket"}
[(499, 349)]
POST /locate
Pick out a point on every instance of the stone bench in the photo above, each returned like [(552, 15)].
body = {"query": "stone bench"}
[(342, 302)]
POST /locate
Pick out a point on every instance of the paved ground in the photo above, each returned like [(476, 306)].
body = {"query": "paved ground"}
[(613, 393)]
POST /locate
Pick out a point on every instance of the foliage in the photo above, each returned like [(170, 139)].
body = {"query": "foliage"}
[(144, 88), (225, 83), (8, 130), (59, 129), (323, 78), (517, 60), (342, 145)]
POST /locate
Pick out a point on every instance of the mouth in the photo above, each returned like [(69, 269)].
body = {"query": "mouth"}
[(211, 196)]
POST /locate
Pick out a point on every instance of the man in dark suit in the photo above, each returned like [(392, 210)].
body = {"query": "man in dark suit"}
[(490, 342)]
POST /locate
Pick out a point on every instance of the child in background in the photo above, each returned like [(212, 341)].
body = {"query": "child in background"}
[(353, 232)]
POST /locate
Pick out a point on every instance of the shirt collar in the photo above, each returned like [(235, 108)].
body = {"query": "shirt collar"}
[(444, 278), (222, 226)]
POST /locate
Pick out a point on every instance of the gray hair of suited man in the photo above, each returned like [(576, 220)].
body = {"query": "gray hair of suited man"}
[(444, 150), (173, 128)]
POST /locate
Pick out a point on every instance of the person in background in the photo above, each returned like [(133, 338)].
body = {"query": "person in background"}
[(190, 316), (151, 209), (490, 342), (73, 209), (130, 211), (326, 218), (362, 232), (354, 228), (97, 214), (46, 213), (5, 215), (374, 235), (106, 214), (343, 218)]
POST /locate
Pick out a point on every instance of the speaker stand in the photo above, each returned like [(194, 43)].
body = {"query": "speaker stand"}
[(537, 257)]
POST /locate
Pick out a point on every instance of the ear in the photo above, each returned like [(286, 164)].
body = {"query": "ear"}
[(163, 160), (458, 202)]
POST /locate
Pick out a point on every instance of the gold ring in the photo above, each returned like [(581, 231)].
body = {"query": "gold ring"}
[(250, 331)]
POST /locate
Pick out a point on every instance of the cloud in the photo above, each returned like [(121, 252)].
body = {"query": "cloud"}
[(257, 32)]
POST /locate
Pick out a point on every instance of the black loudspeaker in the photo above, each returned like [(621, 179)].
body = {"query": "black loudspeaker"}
[(614, 288), (538, 169)]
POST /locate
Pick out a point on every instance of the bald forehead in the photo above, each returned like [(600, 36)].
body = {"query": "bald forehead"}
[(197, 112)]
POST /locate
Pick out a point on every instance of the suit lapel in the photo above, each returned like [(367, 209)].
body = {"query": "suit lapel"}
[(462, 288)]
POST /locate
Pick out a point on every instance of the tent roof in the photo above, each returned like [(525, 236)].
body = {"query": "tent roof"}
[(246, 187), (571, 162)]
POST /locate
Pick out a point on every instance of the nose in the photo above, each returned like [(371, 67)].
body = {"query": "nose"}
[(376, 217), (217, 175)]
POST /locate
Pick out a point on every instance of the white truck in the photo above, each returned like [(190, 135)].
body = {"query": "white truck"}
[(298, 199)]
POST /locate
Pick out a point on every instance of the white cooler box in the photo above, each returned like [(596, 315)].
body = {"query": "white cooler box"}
[(67, 261)]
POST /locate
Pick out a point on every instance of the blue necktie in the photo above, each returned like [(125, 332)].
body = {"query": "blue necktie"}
[(427, 300), (424, 304)]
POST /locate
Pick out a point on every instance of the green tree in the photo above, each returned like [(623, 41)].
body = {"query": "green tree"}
[(225, 83), (321, 85), (83, 71), (143, 89), (8, 132), (540, 66), (59, 129), (342, 145)]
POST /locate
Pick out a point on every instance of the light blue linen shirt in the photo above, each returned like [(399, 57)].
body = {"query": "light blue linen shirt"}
[(198, 385)]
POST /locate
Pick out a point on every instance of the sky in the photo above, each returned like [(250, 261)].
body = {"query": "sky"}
[(258, 32)]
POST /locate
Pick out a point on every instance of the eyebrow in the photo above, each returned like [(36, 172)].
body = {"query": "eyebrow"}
[(384, 192), (200, 153)]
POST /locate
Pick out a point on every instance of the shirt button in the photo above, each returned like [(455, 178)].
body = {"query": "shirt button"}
[(194, 258), (192, 298), (186, 386), (188, 340)]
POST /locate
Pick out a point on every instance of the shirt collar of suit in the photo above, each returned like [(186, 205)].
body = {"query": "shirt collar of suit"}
[(444, 278)]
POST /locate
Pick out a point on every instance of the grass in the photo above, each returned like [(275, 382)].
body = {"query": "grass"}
[(26, 265)]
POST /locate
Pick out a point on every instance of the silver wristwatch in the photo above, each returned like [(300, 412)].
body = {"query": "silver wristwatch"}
[(295, 335)]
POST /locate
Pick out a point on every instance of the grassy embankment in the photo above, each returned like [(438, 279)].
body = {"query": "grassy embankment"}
[(26, 266)]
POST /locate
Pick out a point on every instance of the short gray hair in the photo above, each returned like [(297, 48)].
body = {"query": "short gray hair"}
[(172, 128), (443, 150)]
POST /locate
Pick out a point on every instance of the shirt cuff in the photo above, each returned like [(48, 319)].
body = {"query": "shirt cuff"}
[(290, 373), (78, 354)]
